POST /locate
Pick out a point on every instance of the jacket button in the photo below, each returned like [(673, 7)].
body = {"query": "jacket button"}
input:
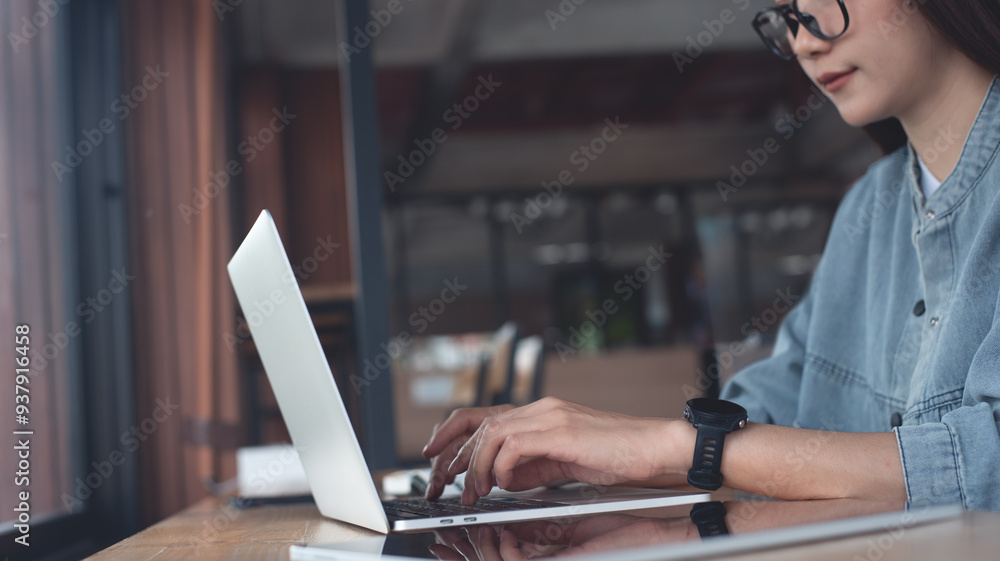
[(919, 309), (935, 322), (896, 420), (929, 215)]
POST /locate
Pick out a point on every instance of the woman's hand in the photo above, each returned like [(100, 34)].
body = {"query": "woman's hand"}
[(448, 438), (553, 439)]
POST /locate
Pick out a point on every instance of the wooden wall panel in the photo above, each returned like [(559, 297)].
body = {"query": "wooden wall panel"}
[(32, 252), (180, 234), (317, 189), (263, 175), (8, 266), (225, 407), (299, 176), (156, 349)]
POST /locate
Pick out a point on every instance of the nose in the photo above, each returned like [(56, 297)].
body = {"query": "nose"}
[(807, 45)]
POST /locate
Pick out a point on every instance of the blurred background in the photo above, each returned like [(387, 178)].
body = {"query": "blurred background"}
[(484, 201)]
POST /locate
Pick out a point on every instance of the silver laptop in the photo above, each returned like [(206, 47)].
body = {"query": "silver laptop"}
[(317, 420)]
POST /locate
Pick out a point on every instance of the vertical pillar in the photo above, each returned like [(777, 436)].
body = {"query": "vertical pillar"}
[(362, 159)]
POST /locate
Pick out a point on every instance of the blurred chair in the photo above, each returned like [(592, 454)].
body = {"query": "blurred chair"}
[(529, 366), (496, 375), (426, 397), (436, 375)]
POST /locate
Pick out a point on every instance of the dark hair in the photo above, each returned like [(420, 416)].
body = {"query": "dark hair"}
[(973, 27)]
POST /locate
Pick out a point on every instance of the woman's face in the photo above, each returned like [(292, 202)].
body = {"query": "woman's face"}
[(882, 66)]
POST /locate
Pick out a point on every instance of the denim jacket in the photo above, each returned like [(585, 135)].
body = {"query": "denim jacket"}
[(901, 323)]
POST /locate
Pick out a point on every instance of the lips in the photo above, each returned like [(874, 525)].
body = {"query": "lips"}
[(833, 81)]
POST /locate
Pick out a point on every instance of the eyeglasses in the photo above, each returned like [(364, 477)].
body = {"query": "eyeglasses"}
[(778, 26)]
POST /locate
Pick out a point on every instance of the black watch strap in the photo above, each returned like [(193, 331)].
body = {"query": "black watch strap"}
[(710, 518), (706, 468)]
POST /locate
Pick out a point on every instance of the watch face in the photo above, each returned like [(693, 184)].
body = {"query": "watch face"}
[(716, 406)]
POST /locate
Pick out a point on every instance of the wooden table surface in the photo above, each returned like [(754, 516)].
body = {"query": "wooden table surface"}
[(214, 530)]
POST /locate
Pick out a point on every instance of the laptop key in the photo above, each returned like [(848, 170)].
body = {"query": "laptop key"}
[(422, 508)]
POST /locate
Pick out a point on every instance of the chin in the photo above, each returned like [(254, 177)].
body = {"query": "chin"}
[(858, 114)]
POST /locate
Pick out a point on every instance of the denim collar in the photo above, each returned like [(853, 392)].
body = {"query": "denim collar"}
[(979, 150)]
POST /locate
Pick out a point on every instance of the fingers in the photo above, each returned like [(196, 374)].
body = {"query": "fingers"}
[(553, 445), (485, 542), (458, 423), (444, 553), (510, 549), (439, 468), (453, 545), (489, 429), (528, 462), (448, 537), (535, 473), (468, 552), (536, 416), (478, 453), (443, 457)]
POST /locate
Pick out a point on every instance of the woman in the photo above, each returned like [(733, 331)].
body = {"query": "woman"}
[(885, 379)]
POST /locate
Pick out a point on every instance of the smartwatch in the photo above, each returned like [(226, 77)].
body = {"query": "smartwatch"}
[(714, 419), (710, 518)]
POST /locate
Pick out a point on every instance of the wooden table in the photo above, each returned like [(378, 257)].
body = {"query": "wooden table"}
[(212, 529)]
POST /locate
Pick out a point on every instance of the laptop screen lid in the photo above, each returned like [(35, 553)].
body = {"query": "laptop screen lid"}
[(300, 376)]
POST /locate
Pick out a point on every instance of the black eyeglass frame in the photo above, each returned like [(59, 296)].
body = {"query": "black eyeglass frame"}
[(786, 11)]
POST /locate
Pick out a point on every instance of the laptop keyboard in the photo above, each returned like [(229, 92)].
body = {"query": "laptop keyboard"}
[(422, 508)]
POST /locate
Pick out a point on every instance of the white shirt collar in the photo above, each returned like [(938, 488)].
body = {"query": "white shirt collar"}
[(928, 182)]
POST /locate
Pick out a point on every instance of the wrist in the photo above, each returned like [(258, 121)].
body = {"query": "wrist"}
[(680, 438)]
